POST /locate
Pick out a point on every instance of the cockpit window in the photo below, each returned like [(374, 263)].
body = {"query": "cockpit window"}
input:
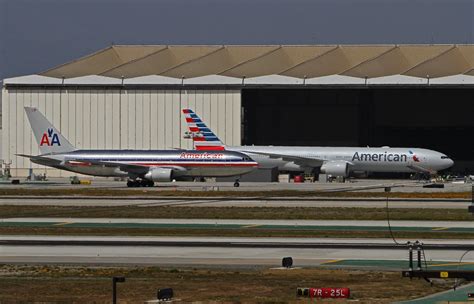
[(444, 157)]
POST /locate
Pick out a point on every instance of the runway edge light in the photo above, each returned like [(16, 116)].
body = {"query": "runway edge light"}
[(287, 262), (164, 294)]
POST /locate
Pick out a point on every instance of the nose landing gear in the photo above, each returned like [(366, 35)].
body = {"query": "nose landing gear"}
[(237, 183), (132, 183)]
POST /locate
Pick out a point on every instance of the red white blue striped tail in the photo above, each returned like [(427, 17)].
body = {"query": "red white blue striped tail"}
[(203, 137)]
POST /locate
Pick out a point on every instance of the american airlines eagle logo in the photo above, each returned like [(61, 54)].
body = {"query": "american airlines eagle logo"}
[(415, 158), (50, 138)]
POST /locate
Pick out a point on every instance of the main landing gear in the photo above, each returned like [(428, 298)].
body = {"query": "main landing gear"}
[(237, 183), (140, 183)]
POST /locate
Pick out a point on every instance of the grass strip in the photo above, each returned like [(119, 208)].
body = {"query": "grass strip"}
[(230, 232), (67, 284), (264, 213), (155, 192)]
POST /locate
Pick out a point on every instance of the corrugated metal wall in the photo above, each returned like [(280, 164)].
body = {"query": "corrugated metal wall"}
[(114, 119)]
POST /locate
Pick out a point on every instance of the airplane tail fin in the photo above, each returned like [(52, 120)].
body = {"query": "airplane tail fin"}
[(203, 137), (48, 137)]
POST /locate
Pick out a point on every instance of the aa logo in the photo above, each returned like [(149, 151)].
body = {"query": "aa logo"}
[(50, 139)]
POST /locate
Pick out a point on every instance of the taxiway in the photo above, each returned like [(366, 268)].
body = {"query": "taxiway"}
[(212, 251)]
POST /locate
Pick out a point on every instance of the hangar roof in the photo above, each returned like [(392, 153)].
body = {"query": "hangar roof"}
[(290, 61)]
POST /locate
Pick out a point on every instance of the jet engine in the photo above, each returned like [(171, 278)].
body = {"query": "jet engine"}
[(336, 168), (159, 175)]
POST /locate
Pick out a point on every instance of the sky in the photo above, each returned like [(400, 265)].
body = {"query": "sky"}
[(36, 35)]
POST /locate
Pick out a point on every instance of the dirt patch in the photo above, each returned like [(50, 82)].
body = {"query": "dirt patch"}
[(86, 285), (231, 232), (53, 193), (276, 213)]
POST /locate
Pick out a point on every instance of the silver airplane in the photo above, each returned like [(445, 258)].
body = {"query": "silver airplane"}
[(142, 167), (334, 161)]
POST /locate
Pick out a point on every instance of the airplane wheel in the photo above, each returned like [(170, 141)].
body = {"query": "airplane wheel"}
[(150, 184), (236, 184), (131, 183)]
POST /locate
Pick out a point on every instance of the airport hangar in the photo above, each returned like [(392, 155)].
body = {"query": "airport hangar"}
[(130, 97)]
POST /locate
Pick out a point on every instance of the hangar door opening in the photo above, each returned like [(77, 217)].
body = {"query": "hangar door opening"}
[(434, 118), (302, 117)]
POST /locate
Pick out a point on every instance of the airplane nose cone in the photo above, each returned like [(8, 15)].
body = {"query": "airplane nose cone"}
[(446, 163)]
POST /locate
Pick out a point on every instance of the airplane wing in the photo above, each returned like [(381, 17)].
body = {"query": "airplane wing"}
[(299, 160), (130, 168)]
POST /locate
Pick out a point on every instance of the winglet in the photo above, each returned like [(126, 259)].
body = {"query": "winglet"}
[(47, 136), (203, 137)]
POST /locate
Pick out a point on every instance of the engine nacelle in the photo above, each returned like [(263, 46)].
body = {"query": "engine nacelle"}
[(336, 168), (159, 175)]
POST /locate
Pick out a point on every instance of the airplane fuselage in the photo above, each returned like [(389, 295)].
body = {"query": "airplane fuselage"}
[(186, 163), (359, 158)]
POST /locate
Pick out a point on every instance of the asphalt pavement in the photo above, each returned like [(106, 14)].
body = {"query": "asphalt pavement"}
[(215, 255)]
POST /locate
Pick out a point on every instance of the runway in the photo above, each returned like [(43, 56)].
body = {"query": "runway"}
[(316, 202), (215, 254)]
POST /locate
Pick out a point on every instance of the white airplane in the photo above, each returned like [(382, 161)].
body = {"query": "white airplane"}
[(142, 167), (334, 161)]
